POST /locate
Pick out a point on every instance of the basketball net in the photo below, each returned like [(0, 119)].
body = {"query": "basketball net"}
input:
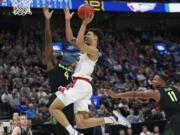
[(21, 7)]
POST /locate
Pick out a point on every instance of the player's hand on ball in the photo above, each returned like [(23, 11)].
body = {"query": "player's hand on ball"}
[(88, 19), (47, 13), (68, 15)]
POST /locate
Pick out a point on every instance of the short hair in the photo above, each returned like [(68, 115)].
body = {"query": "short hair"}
[(97, 32), (164, 77), (23, 115)]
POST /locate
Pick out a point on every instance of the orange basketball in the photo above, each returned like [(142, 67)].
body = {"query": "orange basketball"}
[(84, 11)]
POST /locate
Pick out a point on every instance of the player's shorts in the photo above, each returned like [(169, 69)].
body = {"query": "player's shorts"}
[(172, 127), (78, 92)]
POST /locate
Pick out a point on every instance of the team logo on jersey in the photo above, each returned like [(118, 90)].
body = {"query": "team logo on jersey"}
[(141, 7)]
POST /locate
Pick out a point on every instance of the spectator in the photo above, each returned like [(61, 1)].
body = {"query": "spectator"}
[(34, 95), (15, 99), (23, 128), (44, 113), (25, 90), (140, 116), (131, 117), (6, 99), (155, 115), (15, 121), (102, 110), (23, 106), (156, 131), (31, 112), (42, 96), (145, 131), (2, 69)]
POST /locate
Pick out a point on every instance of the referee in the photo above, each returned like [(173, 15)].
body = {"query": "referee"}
[(59, 75)]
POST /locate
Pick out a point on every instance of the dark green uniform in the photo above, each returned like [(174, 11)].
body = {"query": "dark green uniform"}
[(170, 103), (61, 76), (25, 131)]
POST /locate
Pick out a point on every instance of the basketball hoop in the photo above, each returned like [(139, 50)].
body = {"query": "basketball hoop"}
[(21, 7)]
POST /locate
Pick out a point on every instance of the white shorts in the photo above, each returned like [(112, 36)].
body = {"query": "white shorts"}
[(78, 93)]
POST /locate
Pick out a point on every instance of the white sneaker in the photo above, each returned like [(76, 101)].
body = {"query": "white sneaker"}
[(113, 119), (77, 133), (121, 120)]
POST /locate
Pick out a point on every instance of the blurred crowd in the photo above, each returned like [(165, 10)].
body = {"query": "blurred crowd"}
[(128, 62), (23, 79), (160, 1)]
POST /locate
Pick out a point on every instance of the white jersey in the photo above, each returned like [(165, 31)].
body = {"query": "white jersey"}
[(84, 67)]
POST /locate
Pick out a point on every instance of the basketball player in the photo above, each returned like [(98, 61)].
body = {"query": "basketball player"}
[(23, 128), (80, 90), (15, 121), (58, 74), (168, 98)]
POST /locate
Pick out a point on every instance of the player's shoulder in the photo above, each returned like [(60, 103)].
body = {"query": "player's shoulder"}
[(95, 49), (168, 88)]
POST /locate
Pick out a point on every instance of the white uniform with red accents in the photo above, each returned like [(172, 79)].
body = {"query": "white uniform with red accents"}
[(79, 91), (84, 67)]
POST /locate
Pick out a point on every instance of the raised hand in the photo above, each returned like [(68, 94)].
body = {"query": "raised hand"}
[(68, 15), (88, 19), (47, 13)]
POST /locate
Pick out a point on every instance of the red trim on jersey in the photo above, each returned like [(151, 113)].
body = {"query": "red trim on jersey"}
[(82, 78), (71, 85)]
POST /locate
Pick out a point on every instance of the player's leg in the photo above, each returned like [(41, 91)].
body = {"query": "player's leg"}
[(64, 98), (82, 122), (168, 131), (172, 127), (57, 128), (81, 106), (56, 111), (69, 112)]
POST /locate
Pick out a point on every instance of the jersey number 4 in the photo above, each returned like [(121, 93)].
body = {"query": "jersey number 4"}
[(172, 95)]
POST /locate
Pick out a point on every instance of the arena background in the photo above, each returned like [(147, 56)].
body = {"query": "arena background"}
[(135, 46)]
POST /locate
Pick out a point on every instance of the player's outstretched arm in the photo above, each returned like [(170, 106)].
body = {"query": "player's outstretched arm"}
[(69, 34), (150, 94), (50, 59), (80, 38)]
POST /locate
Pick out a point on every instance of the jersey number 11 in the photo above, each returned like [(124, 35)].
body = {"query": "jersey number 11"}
[(172, 95)]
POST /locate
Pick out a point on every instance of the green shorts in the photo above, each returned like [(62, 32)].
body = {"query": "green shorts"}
[(168, 131), (173, 126)]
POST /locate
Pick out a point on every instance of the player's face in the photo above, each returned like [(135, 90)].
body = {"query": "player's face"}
[(157, 81), (15, 116), (90, 38), (23, 120)]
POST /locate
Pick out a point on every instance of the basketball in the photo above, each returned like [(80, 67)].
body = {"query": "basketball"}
[(84, 11)]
